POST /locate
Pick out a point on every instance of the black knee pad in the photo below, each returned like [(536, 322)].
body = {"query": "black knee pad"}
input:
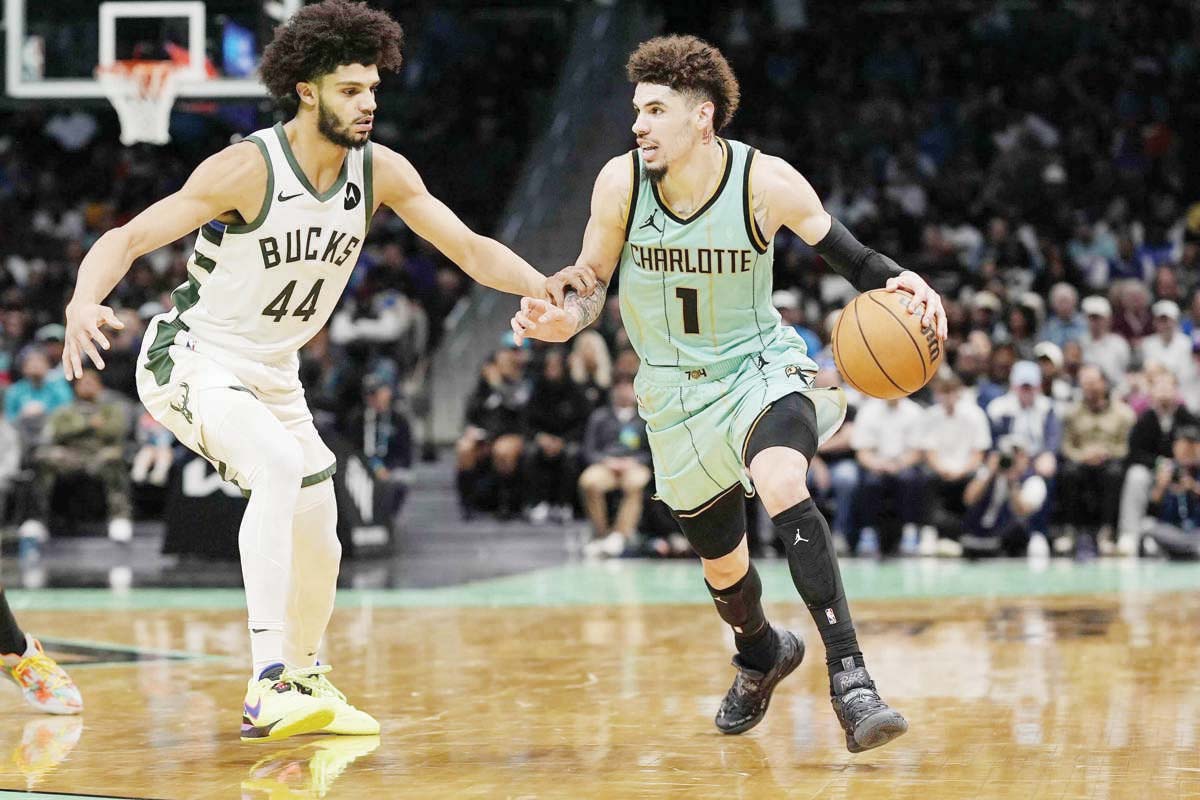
[(715, 528), (791, 421)]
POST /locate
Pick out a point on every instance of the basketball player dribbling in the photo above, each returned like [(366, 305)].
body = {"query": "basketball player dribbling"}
[(282, 217), (726, 390)]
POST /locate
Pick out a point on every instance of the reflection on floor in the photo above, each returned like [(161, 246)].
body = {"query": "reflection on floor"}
[(601, 681)]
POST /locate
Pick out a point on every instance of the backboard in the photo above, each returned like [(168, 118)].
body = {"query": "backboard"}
[(52, 49)]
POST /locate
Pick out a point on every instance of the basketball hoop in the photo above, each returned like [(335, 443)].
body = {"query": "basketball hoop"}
[(142, 92)]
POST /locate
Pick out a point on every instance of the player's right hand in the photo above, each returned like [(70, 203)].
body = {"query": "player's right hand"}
[(537, 319), (83, 334)]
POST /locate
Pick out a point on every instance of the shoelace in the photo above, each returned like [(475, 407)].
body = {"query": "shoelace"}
[(860, 702), (313, 679), (41, 665)]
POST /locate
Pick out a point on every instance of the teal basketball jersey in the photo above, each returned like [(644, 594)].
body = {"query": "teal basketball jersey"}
[(697, 290)]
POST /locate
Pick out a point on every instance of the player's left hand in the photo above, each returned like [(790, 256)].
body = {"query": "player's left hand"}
[(924, 297), (537, 319), (580, 278)]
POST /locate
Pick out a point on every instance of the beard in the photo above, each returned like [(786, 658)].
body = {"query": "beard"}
[(340, 134), (656, 173)]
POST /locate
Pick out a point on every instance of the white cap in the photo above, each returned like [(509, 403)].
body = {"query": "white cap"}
[(1049, 350), (1096, 306), (1025, 373), (987, 300), (1165, 308), (785, 298)]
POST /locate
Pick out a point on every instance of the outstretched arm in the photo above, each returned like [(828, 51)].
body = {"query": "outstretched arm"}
[(782, 197), (602, 242), (232, 180), (398, 186)]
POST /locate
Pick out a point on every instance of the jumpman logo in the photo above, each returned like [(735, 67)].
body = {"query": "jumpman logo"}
[(652, 222), (799, 539)]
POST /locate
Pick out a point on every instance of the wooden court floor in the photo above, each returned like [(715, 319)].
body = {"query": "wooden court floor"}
[(1039, 697)]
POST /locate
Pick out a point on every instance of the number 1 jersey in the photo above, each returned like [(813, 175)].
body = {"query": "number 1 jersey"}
[(262, 289), (697, 290)]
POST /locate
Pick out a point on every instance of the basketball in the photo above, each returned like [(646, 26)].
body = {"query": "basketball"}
[(882, 350)]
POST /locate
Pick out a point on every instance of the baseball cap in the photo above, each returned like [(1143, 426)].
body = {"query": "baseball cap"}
[(1025, 373), (1096, 306), (51, 333), (1049, 350), (1165, 308), (509, 341), (785, 298), (987, 300)]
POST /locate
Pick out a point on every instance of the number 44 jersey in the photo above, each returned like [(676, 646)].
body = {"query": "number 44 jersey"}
[(262, 289), (696, 290)]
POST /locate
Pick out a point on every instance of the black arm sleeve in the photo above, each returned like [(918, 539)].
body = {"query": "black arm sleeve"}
[(854, 261)]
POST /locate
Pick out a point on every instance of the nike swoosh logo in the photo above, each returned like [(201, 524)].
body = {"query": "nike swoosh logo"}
[(284, 198), (252, 711), (719, 600)]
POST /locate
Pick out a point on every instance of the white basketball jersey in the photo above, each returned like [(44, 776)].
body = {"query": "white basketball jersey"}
[(262, 289)]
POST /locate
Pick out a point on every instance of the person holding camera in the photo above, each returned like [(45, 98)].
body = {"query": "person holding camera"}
[(1176, 496), (1002, 497)]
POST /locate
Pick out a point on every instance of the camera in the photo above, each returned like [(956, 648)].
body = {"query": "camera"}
[(1008, 446), (1006, 461)]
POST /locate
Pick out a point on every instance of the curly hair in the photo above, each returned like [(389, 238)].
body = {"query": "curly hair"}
[(322, 37), (689, 65)]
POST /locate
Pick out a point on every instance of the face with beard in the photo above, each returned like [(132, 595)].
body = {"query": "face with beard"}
[(346, 105), (668, 125)]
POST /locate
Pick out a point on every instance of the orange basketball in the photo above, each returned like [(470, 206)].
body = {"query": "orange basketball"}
[(882, 350)]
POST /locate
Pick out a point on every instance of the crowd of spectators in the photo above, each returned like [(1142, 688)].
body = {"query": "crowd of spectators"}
[(474, 85), (1033, 162)]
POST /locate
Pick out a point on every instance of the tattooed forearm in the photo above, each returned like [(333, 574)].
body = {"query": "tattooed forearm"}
[(586, 309)]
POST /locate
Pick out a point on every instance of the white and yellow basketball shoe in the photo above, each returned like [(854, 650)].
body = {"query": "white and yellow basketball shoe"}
[(308, 771), (44, 684), (349, 721), (277, 707)]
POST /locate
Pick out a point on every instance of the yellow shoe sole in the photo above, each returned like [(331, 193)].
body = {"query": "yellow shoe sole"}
[(295, 724)]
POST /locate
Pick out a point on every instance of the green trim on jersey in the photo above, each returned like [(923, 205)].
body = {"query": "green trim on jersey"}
[(266, 206), (158, 355), (306, 481), (757, 237), (204, 262), (211, 235), (369, 183), (295, 165)]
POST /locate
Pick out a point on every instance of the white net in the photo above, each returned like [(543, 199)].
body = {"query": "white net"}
[(142, 92)]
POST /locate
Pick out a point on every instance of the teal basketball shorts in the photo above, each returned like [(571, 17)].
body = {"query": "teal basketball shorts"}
[(698, 420)]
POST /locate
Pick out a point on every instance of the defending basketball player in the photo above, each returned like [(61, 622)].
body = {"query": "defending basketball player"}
[(43, 683), (282, 217), (725, 389)]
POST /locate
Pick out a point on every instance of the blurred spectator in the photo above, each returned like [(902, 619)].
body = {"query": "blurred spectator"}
[(86, 438), (617, 454), (1000, 366), (954, 435), (833, 474), (1152, 437), (1028, 414), (29, 402), (558, 411), (626, 364), (1095, 444), (1001, 500), (1055, 383), (1101, 346), (1022, 327), (489, 450), (791, 310), (1133, 318), (155, 453), (1190, 324), (886, 444), (1168, 345), (591, 367), (1176, 496), (1065, 323), (384, 437)]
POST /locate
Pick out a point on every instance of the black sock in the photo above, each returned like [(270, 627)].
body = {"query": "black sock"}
[(740, 605), (12, 638), (813, 564)]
